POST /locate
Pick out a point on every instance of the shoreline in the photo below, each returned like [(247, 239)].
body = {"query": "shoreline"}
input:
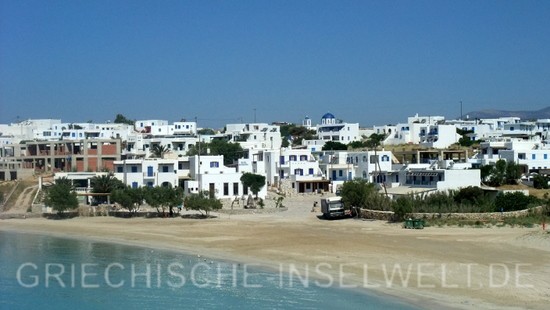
[(231, 240)]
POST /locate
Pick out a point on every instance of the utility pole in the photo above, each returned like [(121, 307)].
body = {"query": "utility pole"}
[(198, 156)]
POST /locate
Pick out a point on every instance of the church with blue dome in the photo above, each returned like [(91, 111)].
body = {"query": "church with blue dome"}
[(333, 129)]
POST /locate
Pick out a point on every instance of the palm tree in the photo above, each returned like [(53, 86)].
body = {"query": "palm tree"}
[(105, 184), (374, 141), (158, 150)]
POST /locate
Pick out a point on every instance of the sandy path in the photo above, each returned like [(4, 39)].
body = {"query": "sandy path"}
[(508, 267)]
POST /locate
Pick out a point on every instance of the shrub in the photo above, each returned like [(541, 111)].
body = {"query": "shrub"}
[(514, 201)]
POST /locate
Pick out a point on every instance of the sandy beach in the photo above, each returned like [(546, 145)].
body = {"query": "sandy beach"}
[(490, 268)]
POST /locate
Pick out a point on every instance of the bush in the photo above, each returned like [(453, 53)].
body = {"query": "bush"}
[(540, 182), (514, 201), (402, 207)]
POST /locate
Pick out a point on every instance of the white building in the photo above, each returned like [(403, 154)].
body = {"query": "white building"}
[(254, 136), (152, 172), (438, 136), (335, 130), (428, 178), (341, 166), (220, 181)]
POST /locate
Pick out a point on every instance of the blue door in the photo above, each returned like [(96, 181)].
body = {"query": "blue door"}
[(334, 174), (149, 171)]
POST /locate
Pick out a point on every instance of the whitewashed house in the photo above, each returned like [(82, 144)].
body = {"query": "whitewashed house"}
[(208, 173), (341, 166), (428, 178), (254, 136), (152, 172)]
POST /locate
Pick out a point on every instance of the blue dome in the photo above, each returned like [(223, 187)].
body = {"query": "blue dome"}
[(328, 115)]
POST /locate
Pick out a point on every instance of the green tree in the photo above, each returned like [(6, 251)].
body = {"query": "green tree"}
[(285, 142), (539, 181), (129, 198), (231, 151), (359, 193), (105, 184), (334, 146), (501, 173), (200, 146), (61, 197), (357, 145), (253, 181), (164, 197), (296, 133), (513, 201), (206, 131), (513, 173), (158, 150), (202, 202), (121, 119), (469, 195), (402, 207)]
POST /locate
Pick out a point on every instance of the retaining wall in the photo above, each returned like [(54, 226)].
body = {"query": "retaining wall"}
[(389, 215)]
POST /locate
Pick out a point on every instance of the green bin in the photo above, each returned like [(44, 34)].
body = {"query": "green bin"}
[(409, 224), (418, 224)]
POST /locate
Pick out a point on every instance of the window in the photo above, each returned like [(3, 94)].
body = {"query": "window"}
[(310, 171), (134, 169), (164, 168), (120, 169), (303, 157), (385, 158), (533, 156), (214, 164), (292, 158), (235, 188), (226, 189), (298, 171), (134, 185), (545, 156), (340, 173)]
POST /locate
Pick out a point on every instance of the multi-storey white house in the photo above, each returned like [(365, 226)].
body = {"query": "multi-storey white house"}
[(254, 136), (332, 129), (208, 173), (26, 130), (438, 136), (79, 131), (152, 172), (149, 126), (341, 166), (409, 132)]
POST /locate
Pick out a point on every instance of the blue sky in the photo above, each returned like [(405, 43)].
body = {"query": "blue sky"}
[(371, 62)]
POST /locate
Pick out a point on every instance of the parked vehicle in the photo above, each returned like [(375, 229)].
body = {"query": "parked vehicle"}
[(334, 207)]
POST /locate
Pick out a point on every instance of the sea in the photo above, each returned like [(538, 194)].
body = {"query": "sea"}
[(45, 272)]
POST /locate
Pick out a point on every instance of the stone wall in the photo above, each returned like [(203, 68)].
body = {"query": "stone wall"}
[(388, 215)]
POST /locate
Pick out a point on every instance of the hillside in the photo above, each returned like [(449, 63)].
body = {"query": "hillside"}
[(524, 115)]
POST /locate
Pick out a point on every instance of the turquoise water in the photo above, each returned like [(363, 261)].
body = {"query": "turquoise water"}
[(57, 273)]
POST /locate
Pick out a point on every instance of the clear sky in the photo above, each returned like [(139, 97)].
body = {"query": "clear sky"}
[(371, 62)]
